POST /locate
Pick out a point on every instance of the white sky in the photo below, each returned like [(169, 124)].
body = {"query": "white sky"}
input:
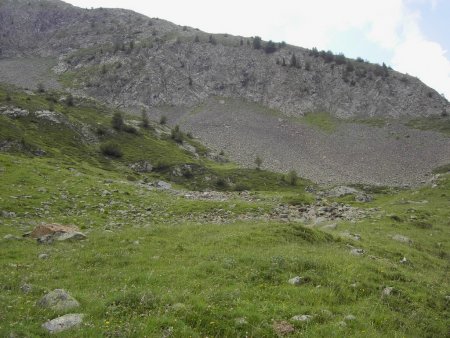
[(378, 30)]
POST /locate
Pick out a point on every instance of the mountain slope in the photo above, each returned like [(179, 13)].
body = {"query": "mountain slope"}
[(161, 63), (197, 80)]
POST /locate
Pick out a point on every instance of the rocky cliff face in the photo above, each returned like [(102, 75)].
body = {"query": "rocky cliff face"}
[(127, 59)]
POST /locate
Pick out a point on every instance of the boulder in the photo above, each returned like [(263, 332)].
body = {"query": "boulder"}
[(364, 198), (296, 280), (387, 292), (8, 214), (349, 317), (357, 252), (26, 288), (47, 233), (141, 167), (283, 328), (163, 185), (401, 238), (63, 323), (10, 237), (302, 318), (342, 191), (58, 300), (51, 229)]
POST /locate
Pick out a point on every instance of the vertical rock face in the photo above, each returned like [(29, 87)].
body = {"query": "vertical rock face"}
[(130, 60)]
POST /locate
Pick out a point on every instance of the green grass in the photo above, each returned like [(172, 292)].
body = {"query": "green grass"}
[(154, 263), (441, 124), (373, 122), (443, 169), (321, 120)]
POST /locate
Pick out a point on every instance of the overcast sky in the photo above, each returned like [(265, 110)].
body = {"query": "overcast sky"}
[(412, 36)]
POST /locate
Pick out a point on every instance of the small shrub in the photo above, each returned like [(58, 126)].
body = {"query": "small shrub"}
[(258, 162), (221, 183), (129, 129), (293, 62), (145, 123), (270, 47), (176, 134), (69, 100), (101, 131), (340, 59), (327, 56), (256, 42), (423, 225), (314, 52), (111, 149), (161, 165), (40, 87), (117, 121), (292, 177), (241, 187), (51, 98), (163, 120), (349, 68), (186, 171)]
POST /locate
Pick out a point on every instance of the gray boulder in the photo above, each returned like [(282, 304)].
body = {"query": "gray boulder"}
[(163, 185), (357, 252), (342, 191), (402, 239), (387, 292), (302, 318), (296, 280), (141, 167), (58, 300), (63, 323)]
